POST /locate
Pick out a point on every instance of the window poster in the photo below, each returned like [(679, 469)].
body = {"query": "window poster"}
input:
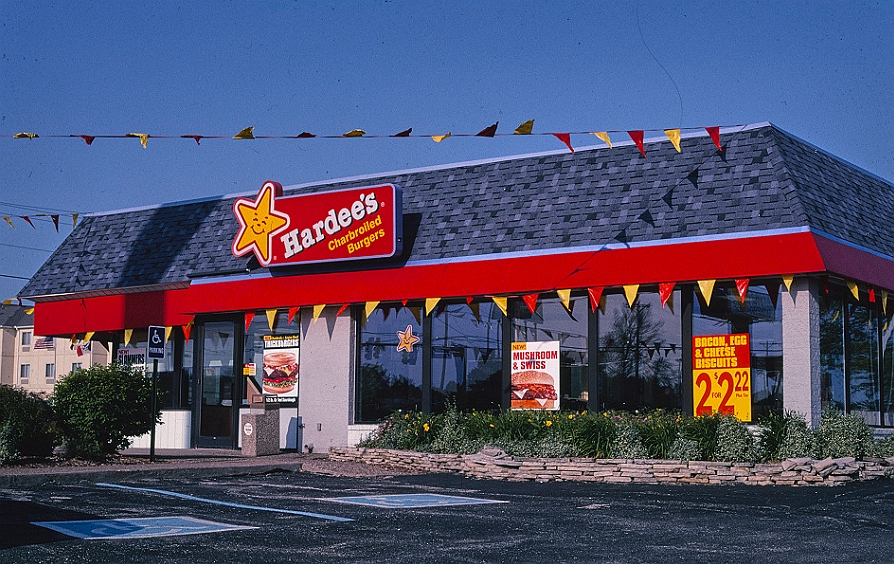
[(280, 375), (721, 372), (535, 375), (132, 356)]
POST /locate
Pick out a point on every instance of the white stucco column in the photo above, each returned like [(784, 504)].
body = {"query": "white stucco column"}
[(801, 349), (324, 401)]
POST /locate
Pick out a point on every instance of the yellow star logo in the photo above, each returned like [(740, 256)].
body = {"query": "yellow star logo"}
[(259, 222), (407, 339)]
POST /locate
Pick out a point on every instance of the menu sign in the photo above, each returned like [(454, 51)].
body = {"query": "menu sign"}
[(354, 224), (280, 378)]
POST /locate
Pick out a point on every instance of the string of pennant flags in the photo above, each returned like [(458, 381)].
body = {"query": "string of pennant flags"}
[(54, 217), (526, 128)]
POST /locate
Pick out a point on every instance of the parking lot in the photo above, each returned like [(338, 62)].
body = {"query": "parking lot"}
[(303, 517)]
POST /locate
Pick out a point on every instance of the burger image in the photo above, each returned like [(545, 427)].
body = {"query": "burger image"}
[(533, 389), (280, 372)]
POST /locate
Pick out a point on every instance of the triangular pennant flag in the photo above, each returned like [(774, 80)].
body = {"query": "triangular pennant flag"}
[(430, 304), (318, 309), (651, 353), (9, 221), (884, 302), (604, 136), (595, 296), (476, 310), (855, 290), (825, 283), (74, 220), (29, 311), (88, 139), (531, 301), (488, 131), (128, 335), (249, 316), (622, 237), (502, 303), (342, 309), (271, 318), (773, 293), (370, 307), (707, 288), (787, 279), (469, 300), (292, 312), (872, 295), (564, 138), (74, 339), (55, 218), (439, 138), (742, 288), (246, 133), (305, 135), (647, 217), (168, 330), (668, 198), (196, 138), (630, 291), (714, 132), (637, 136), (525, 128), (665, 291), (565, 298), (354, 133), (404, 303), (417, 313), (404, 133), (186, 330), (25, 135), (89, 336), (144, 138), (27, 220), (674, 136), (386, 312)]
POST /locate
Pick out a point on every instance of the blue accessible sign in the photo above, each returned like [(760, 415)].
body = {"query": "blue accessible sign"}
[(138, 528), (156, 347)]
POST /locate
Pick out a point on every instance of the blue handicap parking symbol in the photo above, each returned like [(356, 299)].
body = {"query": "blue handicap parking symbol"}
[(137, 528), (409, 501)]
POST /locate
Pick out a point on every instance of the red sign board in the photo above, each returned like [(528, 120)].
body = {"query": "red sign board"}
[(354, 224)]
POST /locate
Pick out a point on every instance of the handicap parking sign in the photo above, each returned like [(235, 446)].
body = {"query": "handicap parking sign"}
[(156, 342), (137, 528)]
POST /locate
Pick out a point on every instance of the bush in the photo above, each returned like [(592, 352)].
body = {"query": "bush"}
[(798, 441), (26, 425), (658, 431), (844, 435), (628, 443), (98, 409), (734, 442), (885, 447), (771, 434), (592, 435), (702, 431)]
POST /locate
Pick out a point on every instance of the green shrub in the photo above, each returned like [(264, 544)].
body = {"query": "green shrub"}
[(771, 434), (628, 443), (26, 425), (685, 449), (734, 442), (844, 435), (798, 441), (702, 431), (98, 409), (885, 447), (658, 430), (592, 435)]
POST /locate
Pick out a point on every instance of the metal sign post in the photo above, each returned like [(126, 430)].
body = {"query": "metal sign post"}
[(155, 350)]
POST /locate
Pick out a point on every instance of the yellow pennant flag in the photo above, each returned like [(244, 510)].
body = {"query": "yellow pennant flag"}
[(271, 318), (884, 302), (855, 290), (29, 311), (630, 292), (525, 128), (25, 135), (74, 220), (502, 303), (787, 279), (88, 336), (128, 334), (245, 133), (674, 136), (168, 331), (565, 298), (604, 136), (370, 307), (354, 133), (9, 221), (144, 138), (707, 288), (439, 138), (430, 304), (318, 309)]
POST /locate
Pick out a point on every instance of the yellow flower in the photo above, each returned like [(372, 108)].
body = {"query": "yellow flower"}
[(605, 414), (406, 416), (491, 425), (570, 416), (548, 423), (425, 427)]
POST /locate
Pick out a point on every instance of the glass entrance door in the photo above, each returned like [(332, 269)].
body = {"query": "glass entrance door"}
[(218, 387)]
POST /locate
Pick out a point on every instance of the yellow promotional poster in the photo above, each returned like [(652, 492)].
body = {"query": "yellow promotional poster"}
[(721, 374), (280, 376)]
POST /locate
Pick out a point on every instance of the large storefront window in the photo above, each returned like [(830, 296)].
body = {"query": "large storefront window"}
[(640, 353), (832, 392), (887, 393), (550, 321), (390, 376), (760, 316), (467, 356), (174, 371), (271, 359)]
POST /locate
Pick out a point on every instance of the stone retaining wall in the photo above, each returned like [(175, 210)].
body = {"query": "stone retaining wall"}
[(493, 463)]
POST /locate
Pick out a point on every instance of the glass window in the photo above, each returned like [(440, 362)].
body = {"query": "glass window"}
[(467, 365), (277, 378), (550, 321), (640, 353), (832, 351), (24, 374), (863, 366), (26, 338), (50, 373), (887, 391), (390, 351), (174, 389), (76, 366)]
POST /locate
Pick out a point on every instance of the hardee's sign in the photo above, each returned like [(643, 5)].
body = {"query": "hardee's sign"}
[(359, 223)]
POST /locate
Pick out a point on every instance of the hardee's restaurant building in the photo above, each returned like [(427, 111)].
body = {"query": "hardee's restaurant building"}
[(748, 274)]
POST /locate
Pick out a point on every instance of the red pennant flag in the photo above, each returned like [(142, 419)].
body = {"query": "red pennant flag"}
[(665, 291), (196, 138), (825, 283), (342, 309), (488, 131), (531, 301), (404, 302), (595, 296), (248, 317), (469, 300), (28, 219), (637, 137), (293, 311), (55, 218), (305, 135), (872, 295), (742, 287), (404, 133), (773, 292), (564, 138), (186, 329), (714, 132)]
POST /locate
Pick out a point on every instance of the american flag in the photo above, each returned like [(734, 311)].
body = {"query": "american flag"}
[(44, 343)]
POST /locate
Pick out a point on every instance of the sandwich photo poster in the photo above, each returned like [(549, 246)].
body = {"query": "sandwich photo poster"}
[(535, 375), (280, 375)]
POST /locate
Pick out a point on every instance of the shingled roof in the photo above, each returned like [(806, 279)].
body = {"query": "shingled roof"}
[(763, 180)]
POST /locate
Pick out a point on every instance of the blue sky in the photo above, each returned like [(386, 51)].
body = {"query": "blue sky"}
[(821, 70)]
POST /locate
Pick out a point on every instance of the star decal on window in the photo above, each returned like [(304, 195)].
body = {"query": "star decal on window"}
[(407, 339), (259, 223)]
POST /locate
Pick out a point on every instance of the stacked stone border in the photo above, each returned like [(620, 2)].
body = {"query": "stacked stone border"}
[(495, 464)]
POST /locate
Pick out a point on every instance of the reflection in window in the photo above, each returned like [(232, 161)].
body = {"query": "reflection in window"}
[(887, 392), (863, 369), (832, 352), (173, 385), (253, 352), (467, 356), (550, 321), (389, 379)]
